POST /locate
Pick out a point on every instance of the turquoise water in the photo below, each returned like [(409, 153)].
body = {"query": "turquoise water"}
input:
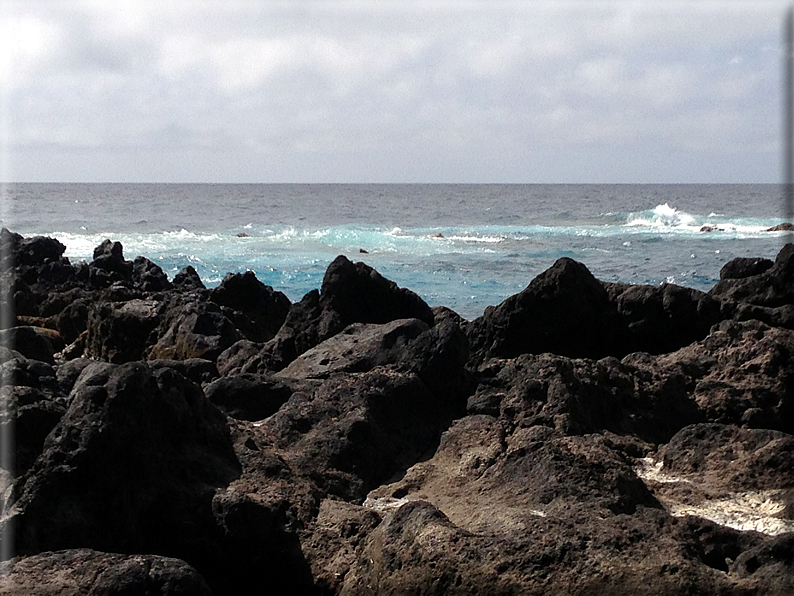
[(464, 246)]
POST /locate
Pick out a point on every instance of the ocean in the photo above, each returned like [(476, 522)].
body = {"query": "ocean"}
[(465, 246)]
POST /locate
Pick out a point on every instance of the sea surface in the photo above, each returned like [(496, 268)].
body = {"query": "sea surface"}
[(465, 246)]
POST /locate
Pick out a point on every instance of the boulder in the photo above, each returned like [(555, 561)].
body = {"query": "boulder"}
[(148, 276), (359, 347), (356, 293), (258, 311), (36, 251), (187, 280), (783, 227), (352, 432), (417, 549), (28, 415), (84, 571), (236, 358), (109, 265), (247, 396), (740, 267), (193, 329), (350, 293), (773, 287), (769, 567), (73, 319), (337, 541), (566, 311), (120, 332), (131, 467), (198, 370), (660, 319), (36, 343)]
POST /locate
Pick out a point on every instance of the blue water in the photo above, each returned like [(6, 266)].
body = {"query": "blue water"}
[(461, 245)]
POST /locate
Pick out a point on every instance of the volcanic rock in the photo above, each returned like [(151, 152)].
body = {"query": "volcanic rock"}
[(258, 310), (193, 329), (187, 279), (83, 571), (566, 311), (740, 268), (148, 276), (120, 332), (36, 343), (247, 396), (350, 293), (771, 288), (109, 265)]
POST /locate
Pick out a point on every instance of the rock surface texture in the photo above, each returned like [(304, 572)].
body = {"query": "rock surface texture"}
[(582, 437)]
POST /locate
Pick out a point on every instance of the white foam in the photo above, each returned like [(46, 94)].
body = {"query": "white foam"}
[(745, 511)]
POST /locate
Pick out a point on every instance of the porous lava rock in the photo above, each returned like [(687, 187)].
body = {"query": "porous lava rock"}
[(83, 571), (350, 293), (583, 437), (568, 312), (258, 310)]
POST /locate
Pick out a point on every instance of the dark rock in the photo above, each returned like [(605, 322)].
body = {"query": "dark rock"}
[(740, 268), (247, 396), (356, 431), (261, 309), (83, 571), (566, 311), (350, 293), (187, 279), (234, 358), (745, 375), (660, 319), (561, 311), (36, 343), (769, 567), (120, 332), (56, 272), (28, 415), (68, 373), (193, 330), (486, 479), (133, 466), (198, 370), (256, 543), (784, 227), (8, 245), (37, 251), (358, 348), (773, 287), (583, 396), (148, 276), (417, 549), (18, 370), (73, 320), (109, 265), (730, 457), (357, 293), (338, 537), (300, 332)]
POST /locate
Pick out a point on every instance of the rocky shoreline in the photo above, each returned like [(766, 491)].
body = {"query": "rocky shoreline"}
[(582, 437)]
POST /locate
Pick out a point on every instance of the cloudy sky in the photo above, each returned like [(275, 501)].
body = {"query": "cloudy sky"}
[(380, 91)]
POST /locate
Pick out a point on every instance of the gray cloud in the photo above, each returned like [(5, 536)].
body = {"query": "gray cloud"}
[(341, 91)]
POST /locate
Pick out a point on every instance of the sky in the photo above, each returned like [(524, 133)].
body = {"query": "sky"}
[(485, 91)]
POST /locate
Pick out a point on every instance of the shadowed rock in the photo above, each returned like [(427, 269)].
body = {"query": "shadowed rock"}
[(259, 310), (84, 571), (350, 293)]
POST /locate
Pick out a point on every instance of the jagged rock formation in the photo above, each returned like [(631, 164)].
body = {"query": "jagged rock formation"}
[(580, 437)]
